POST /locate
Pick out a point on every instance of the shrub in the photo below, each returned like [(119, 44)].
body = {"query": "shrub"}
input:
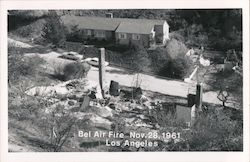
[(177, 35), (54, 31), (159, 58), (176, 48), (176, 68), (57, 127), (19, 66), (75, 70), (58, 71), (171, 62), (215, 131), (141, 61)]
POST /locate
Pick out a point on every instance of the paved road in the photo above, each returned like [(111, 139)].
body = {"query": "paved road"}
[(152, 83)]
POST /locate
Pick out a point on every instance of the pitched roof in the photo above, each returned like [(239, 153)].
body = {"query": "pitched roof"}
[(91, 22), (126, 25), (135, 27)]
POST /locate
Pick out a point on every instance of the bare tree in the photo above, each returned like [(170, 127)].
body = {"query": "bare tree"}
[(59, 125)]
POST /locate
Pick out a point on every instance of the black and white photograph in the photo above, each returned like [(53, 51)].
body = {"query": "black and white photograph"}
[(125, 80)]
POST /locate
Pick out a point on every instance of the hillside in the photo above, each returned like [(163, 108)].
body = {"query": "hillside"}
[(56, 103), (194, 27)]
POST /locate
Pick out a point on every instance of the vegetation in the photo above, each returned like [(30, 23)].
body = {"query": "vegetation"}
[(74, 70), (215, 131), (54, 31), (140, 57), (20, 67), (229, 85), (58, 128), (176, 64), (46, 125), (176, 68)]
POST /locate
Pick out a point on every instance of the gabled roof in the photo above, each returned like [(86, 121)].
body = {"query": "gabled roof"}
[(125, 25), (96, 23), (135, 27)]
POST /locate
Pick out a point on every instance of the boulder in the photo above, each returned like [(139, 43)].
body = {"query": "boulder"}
[(101, 111), (71, 103)]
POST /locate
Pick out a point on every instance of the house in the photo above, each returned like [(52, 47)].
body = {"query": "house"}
[(124, 31)]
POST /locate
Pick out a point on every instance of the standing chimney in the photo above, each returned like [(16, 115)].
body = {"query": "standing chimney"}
[(102, 70), (199, 92), (109, 15)]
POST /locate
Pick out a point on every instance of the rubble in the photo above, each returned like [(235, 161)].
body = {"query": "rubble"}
[(94, 119), (101, 111)]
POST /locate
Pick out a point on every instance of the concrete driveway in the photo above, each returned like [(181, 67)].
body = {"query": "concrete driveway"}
[(152, 83)]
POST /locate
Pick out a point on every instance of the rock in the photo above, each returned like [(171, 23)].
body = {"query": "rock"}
[(94, 119), (112, 106), (140, 123), (101, 111), (72, 97), (92, 95), (144, 99), (71, 103)]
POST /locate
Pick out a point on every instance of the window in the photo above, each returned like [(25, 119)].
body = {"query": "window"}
[(100, 34), (89, 32), (136, 36), (122, 36)]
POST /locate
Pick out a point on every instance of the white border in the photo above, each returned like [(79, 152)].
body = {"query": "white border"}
[(112, 156)]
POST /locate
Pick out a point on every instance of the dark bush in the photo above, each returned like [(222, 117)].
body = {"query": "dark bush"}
[(141, 61), (75, 70), (159, 58), (170, 61), (54, 31), (176, 68)]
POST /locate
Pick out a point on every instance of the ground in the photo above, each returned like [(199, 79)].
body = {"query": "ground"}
[(124, 77), (27, 136)]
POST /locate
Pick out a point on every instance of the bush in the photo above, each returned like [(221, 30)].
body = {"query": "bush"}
[(141, 61), (20, 66), (171, 62), (176, 48), (176, 68), (54, 31), (215, 131), (75, 70), (177, 35), (159, 58)]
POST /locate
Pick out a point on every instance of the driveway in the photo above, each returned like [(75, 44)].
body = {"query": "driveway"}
[(152, 83)]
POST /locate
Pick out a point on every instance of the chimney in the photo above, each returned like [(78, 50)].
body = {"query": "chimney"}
[(109, 15), (102, 70), (199, 92)]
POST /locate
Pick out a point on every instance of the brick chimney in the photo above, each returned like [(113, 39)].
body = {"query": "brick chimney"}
[(102, 78), (199, 92), (197, 107)]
